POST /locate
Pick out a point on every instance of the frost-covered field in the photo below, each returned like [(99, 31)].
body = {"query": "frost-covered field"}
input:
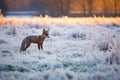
[(78, 49)]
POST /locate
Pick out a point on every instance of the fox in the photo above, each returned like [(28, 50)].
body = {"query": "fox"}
[(37, 39)]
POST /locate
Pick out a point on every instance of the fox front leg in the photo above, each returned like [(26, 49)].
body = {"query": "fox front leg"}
[(39, 46)]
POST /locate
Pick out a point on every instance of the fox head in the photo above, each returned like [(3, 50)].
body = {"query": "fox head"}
[(46, 33)]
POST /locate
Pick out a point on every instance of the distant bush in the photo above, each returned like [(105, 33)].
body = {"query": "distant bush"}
[(5, 51), (114, 49), (12, 68), (56, 33), (103, 46), (112, 46), (12, 31), (112, 25), (2, 41), (77, 35), (44, 67), (36, 26), (113, 59)]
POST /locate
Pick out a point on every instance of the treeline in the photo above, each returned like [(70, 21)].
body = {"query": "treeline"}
[(63, 7)]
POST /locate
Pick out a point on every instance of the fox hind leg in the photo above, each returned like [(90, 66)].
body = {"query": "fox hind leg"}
[(41, 45), (26, 45)]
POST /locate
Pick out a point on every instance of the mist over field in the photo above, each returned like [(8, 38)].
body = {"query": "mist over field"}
[(78, 48)]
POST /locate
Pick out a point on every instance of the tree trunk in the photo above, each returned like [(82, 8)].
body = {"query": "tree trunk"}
[(83, 6), (104, 7), (90, 2), (115, 7), (67, 7)]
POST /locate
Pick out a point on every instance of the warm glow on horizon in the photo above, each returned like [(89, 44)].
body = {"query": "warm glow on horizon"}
[(66, 21)]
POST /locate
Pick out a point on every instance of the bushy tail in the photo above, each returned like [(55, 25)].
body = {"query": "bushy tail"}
[(23, 47), (25, 44)]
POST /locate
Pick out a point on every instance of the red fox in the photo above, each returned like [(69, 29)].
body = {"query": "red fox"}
[(34, 39)]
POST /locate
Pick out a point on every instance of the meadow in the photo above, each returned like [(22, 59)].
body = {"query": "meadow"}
[(86, 48)]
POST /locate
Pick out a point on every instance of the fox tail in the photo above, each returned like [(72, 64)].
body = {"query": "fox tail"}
[(23, 46)]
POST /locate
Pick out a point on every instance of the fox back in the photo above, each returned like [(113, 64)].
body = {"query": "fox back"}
[(34, 39)]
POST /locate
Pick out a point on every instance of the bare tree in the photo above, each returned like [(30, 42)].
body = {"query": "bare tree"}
[(68, 6), (63, 6), (105, 6), (82, 5), (90, 2), (3, 7), (116, 3), (38, 5)]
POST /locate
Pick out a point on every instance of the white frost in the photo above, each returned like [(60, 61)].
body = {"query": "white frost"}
[(76, 50)]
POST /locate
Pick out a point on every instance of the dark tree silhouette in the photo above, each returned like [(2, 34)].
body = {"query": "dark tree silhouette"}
[(82, 5), (116, 3), (90, 2), (105, 7), (63, 6), (3, 7), (38, 5)]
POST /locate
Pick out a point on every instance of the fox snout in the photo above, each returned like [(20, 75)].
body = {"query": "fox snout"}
[(46, 36)]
